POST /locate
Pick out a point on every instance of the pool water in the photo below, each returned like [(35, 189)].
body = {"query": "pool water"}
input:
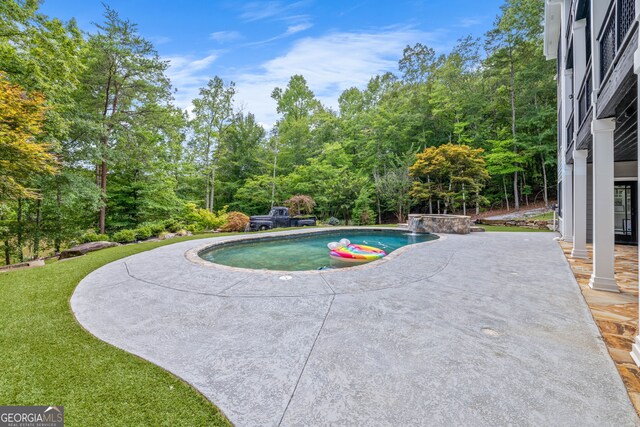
[(307, 252)]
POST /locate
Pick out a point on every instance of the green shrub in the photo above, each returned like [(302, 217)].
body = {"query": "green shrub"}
[(144, 232), (333, 221), (362, 213), (156, 228), (173, 225), (92, 236), (125, 236), (236, 221), (202, 218), (193, 228)]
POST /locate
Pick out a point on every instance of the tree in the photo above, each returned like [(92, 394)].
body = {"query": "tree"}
[(300, 204), (362, 213), (453, 96), (213, 114), (21, 154), (451, 173), (394, 186), (124, 77), (144, 187), (330, 180), (43, 56), (297, 104), (418, 63), (242, 154), (512, 43), (254, 197)]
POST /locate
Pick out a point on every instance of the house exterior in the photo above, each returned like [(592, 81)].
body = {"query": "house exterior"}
[(595, 43)]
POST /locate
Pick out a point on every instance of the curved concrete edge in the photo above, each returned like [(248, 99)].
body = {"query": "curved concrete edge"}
[(177, 272), (159, 364), (193, 255)]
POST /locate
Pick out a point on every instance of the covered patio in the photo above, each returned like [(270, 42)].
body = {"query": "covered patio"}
[(616, 314)]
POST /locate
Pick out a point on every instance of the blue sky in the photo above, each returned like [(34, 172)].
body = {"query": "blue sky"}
[(260, 44)]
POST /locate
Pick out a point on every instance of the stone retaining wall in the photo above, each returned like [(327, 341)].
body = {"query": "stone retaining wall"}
[(448, 224), (526, 223)]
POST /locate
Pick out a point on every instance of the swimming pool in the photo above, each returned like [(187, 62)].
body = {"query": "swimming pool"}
[(307, 251)]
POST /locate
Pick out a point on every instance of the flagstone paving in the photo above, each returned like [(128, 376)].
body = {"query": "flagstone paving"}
[(481, 329), (616, 314)]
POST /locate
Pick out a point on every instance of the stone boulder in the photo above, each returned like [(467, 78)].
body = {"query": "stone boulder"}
[(180, 233), (28, 264), (85, 248)]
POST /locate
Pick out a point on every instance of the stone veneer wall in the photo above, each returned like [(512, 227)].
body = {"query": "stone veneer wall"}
[(449, 224)]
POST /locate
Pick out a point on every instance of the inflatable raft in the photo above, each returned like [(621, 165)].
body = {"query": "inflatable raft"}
[(344, 250)]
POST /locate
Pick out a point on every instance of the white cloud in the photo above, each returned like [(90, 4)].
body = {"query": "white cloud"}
[(202, 63), (225, 36), (159, 40), (259, 10), (188, 75), (291, 30), (330, 64), (468, 22)]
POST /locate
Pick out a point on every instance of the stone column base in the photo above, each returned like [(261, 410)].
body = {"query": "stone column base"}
[(635, 351), (579, 253), (603, 284)]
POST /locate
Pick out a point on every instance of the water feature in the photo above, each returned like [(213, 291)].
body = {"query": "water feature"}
[(440, 223), (306, 252)]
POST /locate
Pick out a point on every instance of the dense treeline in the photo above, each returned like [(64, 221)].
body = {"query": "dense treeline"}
[(105, 149)]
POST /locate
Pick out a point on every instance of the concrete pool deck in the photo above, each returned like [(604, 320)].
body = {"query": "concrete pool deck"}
[(479, 329)]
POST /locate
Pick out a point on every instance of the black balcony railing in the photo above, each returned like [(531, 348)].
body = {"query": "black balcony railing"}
[(559, 122), (570, 131), (568, 31), (626, 16), (584, 97), (618, 23), (608, 46), (559, 61), (588, 37)]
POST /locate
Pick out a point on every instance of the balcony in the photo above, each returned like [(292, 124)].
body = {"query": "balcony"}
[(613, 35), (616, 41), (584, 97), (569, 29), (584, 109), (570, 139)]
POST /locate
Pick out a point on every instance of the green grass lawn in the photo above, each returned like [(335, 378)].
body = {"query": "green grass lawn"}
[(47, 358), (544, 216)]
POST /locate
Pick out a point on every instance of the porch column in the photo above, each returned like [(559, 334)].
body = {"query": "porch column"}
[(580, 204), (567, 169), (603, 278), (635, 348), (579, 60)]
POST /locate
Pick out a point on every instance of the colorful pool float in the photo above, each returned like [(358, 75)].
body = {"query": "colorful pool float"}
[(344, 250)]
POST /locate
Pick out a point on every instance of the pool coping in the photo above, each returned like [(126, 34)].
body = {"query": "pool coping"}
[(193, 254)]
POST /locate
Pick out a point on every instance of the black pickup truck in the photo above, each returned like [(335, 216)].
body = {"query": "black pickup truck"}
[(278, 217)]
